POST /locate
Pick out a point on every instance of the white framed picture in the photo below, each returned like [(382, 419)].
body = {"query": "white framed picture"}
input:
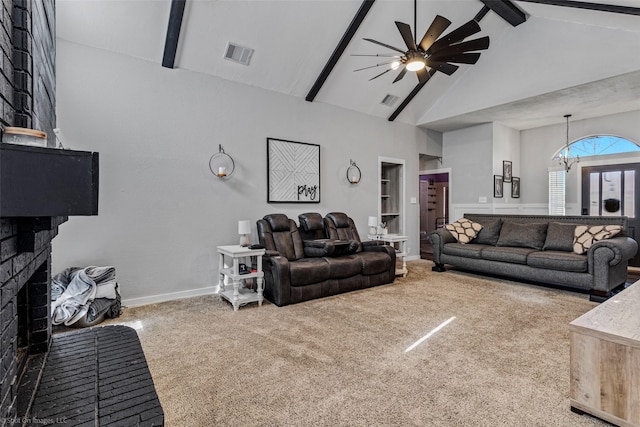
[(293, 172)]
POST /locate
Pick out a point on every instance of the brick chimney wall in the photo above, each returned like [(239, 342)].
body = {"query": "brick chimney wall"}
[(7, 109), (27, 85), (27, 99)]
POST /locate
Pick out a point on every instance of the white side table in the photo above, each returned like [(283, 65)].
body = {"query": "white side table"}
[(401, 248), (240, 295)]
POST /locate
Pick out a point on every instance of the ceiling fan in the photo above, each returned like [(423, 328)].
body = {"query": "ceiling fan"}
[(432, 53)]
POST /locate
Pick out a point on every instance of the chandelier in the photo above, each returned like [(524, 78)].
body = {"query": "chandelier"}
[(565, 158)]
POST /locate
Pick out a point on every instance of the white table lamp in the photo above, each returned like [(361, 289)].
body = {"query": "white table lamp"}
[(244, 229), (373, 225)]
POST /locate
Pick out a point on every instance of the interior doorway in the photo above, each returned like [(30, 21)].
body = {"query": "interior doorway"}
[(434, 208)]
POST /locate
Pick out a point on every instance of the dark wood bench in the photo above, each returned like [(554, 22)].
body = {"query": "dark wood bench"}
[(96, 377)]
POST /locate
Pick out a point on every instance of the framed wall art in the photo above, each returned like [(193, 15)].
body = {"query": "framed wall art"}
[(293, 172), (507, 171), (515, 187), (497, 186)]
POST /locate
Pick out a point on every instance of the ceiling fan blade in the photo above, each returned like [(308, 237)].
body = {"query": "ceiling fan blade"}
[(477, 44), (405, 32), (461, 58), (437, 27), (374, 66), (443, 67), (385, 45), (423, 75), (459, 34), (384, 72), (400, 75)]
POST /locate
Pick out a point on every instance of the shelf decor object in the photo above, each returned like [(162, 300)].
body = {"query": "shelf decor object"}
[(24, 136), (293, 172), (244, 229), (353, 173), (373, 225), (221, 164)]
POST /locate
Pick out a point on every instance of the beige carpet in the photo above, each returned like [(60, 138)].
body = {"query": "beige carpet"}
[(340, 361)]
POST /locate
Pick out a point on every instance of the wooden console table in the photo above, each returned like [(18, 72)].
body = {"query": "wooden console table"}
[(605, 360)]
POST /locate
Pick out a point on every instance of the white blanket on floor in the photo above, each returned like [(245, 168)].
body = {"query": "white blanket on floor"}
[(85, 285)]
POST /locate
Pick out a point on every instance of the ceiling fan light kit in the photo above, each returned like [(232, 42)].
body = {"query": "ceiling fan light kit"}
[(433, 53), (415, 61)]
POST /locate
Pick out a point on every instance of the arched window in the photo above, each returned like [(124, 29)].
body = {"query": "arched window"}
[(590, 146), (599, 145)]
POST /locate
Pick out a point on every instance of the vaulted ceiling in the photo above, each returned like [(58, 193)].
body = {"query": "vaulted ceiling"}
[(560, 60)]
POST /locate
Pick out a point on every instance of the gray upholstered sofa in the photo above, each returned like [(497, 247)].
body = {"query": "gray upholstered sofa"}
[(322, 257), (539, 248)]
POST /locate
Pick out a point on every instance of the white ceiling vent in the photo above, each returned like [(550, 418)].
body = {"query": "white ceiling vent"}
[(239, 54), (389, 100)]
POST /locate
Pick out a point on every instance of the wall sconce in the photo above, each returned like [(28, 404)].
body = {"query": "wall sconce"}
[(221, 164), (353, 173), (244, 229), (373, 225)]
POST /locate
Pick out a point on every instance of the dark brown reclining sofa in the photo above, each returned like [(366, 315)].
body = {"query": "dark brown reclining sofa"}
[(321, 257)]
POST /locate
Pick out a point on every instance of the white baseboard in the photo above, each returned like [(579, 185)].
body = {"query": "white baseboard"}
[(153, 299)]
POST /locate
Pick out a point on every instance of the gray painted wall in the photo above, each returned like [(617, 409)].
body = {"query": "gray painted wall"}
[(469, 154), (162, 212)]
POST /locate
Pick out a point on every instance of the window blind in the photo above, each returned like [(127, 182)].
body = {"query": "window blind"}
[(557, 192)]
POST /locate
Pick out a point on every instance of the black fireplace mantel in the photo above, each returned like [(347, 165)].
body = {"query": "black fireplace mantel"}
[(47, 182)]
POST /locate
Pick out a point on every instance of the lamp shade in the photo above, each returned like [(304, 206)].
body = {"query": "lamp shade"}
[(373, 221), (244, 227)]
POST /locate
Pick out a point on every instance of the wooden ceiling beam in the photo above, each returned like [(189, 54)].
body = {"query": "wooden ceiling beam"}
[(507, 11), (173, 33), (627, 10), (339, 50)]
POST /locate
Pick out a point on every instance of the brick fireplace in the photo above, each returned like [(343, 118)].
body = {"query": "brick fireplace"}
[(39, 189), (25, 278)]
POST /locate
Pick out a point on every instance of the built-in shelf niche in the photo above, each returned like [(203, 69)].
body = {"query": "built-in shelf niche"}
[(391, 194)]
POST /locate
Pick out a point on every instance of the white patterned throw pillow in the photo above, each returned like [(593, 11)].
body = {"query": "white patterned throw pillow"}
[(464, 230), (585, 236)]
